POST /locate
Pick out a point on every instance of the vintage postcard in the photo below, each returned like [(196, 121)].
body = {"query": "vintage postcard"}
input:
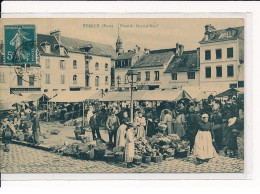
[(122, 95)]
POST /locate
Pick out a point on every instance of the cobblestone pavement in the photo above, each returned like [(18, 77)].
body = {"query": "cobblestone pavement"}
[(23, 159)]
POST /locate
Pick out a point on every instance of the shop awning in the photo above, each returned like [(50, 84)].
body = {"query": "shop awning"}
[(73, 96), (37, 97), (147, 95), (229, 92)]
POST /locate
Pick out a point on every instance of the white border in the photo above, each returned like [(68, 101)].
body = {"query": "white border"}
[(152, 10)]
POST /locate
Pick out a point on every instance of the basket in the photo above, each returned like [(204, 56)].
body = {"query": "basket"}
[(20, 136), (157, 159), (119, 156), (146, 159), (182, 154), (109, 157), (137, 159), (87, 155), (99, 153)]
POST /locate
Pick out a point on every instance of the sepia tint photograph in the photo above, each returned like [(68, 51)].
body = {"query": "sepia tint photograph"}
[(122, 95)]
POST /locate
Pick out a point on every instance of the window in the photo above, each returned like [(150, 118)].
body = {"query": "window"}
[(106, 67), (47, 63), (47, 79), (97, 81), (126, 79), (63, 90), (31, 80), (174, 76), (230, 52), (233, 85), (19, 80), (230, 71), (2, 77), (47, 48), (97, 66), (74, 79), (74, 64), (218, 53), (62, 79), (147, 76), (106, 80), (208, 72), (138, 76), (87, 80), (207, 55), (62, 64), (45, 90), (219, 71), (191, 75), (240, 84), (156, 75)]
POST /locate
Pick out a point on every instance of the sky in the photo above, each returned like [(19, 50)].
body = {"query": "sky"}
[(148, 33)]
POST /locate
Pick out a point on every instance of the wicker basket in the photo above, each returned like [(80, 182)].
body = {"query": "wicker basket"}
[(157, 159), (99, 153), (146, 159), (137, 160), (119, 156), (180, 154), (109, 157)]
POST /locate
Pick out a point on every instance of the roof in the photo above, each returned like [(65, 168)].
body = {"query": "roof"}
[(128, 55), (36, 97), (186, 62), (43, 38), (155, 58), (73, 96), (221, 35), (98, 49)]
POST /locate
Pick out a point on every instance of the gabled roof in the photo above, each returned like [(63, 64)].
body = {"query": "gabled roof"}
[(221, 35), (155, 58), (43, 38), (98, 49), (186, 62)]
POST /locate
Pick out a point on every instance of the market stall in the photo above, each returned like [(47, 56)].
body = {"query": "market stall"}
[(230, 93)]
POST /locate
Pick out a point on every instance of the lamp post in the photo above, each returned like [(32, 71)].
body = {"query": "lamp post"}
[(132, 78), (118, 82)]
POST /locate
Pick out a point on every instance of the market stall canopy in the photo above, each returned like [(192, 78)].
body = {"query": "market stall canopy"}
[(229, 92), (73, 96), (98, 95), (6, 106), (147, 95), (7, 102), (37, 97)]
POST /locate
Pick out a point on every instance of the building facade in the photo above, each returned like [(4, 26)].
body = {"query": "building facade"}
[(222, 57), (183, 69)]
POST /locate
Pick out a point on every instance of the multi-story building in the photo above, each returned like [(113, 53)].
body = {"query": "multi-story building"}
[(151, 66), (222, 57), (183, 69), (70, 64)]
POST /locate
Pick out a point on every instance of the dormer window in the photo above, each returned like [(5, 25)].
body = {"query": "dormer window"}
[(62, 51), (47, 48), (231, 32)]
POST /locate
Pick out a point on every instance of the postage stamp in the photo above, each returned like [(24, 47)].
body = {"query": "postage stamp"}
[(19, 44)]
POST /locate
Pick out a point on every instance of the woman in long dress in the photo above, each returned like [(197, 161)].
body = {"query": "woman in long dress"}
[(168, 121), (120, 135), (140, 123), (179, 125), (129, 146), (203, 147)]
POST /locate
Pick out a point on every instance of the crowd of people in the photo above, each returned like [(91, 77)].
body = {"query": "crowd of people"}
[(210, 125)]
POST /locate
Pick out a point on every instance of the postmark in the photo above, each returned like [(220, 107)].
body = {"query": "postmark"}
[(20, 47)]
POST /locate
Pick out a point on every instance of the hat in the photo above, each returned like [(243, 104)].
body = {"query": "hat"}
[(231, 121), (205, 115)]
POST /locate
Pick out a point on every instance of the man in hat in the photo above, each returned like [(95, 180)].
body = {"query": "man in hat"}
[(8, 133), (94, 125), (35, 128), (112, 125)]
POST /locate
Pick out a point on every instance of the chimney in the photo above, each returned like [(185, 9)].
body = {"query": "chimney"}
[(198, 57), (146, 50), (181, 48), (209, 28), (57, 34)]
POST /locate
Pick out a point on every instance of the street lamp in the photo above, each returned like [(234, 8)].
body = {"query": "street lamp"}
[(132, 78), (118, 82)]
